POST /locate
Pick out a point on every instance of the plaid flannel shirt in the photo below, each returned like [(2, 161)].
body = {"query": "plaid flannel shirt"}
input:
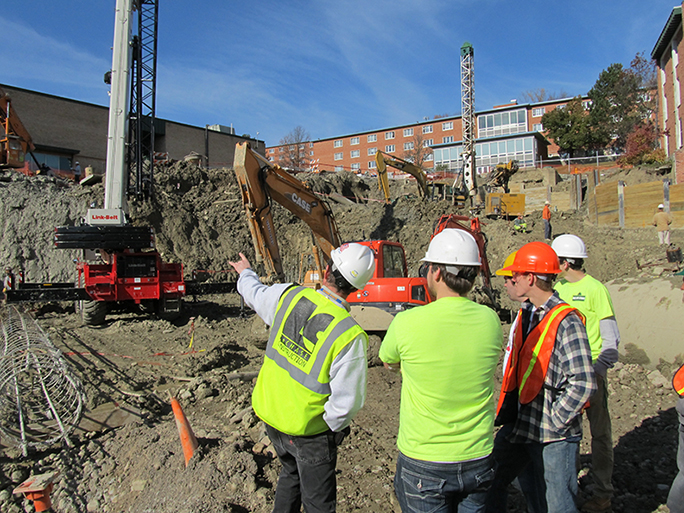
[(555, 414)]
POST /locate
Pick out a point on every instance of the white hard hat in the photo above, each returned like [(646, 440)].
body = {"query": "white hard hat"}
[(355, 262), (569, 246), (661, 206), (453, 247)]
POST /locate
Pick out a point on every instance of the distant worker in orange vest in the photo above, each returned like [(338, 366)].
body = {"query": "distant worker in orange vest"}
[(662, 221), (546, 216), (547, 381)]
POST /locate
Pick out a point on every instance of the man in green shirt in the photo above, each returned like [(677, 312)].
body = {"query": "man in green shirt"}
[(591, 297), (447, 352)]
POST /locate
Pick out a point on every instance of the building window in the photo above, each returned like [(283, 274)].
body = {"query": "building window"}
[(389, 148), (538, 112), (339, 156), (449, 125), (428, 142), (448, 139), (427, 129), (408, 146), (270, 150), (371, 164), (355, 153), (339, 169), (389, 135), (408, 132), (354, 140), (356, 166), (586, 104), (428, 157), (372, 138), (537, 127), (338, 143), (372, 151), (502, 123), (311, 153)]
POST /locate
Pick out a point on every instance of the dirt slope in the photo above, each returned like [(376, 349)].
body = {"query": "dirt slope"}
[(134, 361)]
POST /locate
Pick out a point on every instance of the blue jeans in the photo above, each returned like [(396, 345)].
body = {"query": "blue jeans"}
[(308, 473), (675, 500), (547, 229), (426, 486), (547, 474)]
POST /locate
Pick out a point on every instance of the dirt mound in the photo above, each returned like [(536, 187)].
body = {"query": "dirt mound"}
[(133, 362)]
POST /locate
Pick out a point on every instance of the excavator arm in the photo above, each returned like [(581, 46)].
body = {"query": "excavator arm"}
[(383, 160), (260, 182), (15, 141)]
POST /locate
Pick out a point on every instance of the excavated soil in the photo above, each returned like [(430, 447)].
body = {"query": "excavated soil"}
[(209, 356)]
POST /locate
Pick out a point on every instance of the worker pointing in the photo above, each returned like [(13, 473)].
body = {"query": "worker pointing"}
[(313, 379), (447, 351)]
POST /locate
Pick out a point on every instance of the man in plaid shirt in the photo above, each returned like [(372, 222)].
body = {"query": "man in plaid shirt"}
[(544, 392)]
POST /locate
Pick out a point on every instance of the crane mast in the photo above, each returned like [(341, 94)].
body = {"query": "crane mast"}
[(468, 118)]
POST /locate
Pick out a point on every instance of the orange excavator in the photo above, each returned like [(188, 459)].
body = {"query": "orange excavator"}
[(390, 290), (15, 140)]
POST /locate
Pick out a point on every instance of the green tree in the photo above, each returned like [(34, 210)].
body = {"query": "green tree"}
[(619, 103), (294, 156), (569, 127)]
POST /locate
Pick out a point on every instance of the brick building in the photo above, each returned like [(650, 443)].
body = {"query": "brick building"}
[(511, 131), (670, 74), (65, 131)]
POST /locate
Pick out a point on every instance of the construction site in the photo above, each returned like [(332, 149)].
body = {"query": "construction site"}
[(129, 358)]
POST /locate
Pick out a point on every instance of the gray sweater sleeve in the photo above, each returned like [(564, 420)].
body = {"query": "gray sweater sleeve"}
[(609, 350)]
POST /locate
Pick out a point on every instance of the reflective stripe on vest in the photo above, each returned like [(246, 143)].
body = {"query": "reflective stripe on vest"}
[(534, 361), (529, 358), (678, 381), (296, 329)]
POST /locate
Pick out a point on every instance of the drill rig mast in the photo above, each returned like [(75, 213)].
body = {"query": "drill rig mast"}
[(468, 119)]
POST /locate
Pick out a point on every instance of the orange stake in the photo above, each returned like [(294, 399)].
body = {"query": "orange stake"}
[(187, 437)]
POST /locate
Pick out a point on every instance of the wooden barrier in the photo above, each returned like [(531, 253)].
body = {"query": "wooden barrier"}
[(633, 206)]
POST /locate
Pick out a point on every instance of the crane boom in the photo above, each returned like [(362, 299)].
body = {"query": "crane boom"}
[(468, 117), (16, 141)]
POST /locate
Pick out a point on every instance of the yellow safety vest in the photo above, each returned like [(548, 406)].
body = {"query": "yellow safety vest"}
[(308, 333)]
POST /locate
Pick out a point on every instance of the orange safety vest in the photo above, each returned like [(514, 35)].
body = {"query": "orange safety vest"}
[(678, 381), (529, 359)]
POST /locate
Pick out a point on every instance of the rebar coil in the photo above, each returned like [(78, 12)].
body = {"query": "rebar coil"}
[(41, 399)]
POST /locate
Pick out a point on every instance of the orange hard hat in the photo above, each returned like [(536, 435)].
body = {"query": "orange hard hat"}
[(535, 257)]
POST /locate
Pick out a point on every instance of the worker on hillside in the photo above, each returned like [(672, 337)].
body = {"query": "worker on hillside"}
[(675, 499), (77, 172), (447, 352), (546, 216), (7, 280), (313, 379), (592, 299), (662, 221), (520, 225), (547, 381)]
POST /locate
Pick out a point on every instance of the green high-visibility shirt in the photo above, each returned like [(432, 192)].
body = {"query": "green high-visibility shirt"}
[(591, 297), (449, 350)]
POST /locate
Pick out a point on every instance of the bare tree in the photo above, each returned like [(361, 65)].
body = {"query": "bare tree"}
[(417, 151), (294, 156), (542, 95)]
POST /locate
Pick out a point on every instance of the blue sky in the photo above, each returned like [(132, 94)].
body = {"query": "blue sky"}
[(333, 67)]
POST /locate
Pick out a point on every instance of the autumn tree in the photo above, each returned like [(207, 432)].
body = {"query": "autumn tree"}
[(294, 155), (621, 100), (569, 126)]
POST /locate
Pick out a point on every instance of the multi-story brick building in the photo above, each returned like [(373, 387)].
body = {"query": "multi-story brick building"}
[(506, 132), (666, 53)]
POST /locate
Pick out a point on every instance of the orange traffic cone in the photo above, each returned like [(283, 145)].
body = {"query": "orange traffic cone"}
[(187, 437)]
